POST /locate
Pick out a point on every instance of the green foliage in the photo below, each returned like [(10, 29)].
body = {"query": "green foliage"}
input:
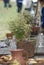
[(21, 27)]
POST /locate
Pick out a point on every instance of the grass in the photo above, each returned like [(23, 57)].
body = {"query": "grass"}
[(6, 15)]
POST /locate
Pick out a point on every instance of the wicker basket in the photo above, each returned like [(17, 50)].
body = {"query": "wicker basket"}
[(29, 47)]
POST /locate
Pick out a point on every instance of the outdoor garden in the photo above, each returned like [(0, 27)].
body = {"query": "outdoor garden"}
[(21, 30), (6, 15)]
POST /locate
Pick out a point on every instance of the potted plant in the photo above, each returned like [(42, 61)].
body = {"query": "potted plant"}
[(21, 28)]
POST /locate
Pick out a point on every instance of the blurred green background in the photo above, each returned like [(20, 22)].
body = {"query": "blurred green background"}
[(6, 15)]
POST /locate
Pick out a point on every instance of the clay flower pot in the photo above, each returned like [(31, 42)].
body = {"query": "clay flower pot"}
[(18, 55), (35, 30)]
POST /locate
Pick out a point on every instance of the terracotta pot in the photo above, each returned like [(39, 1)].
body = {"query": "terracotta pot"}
[(18, 55), (35, 30)]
